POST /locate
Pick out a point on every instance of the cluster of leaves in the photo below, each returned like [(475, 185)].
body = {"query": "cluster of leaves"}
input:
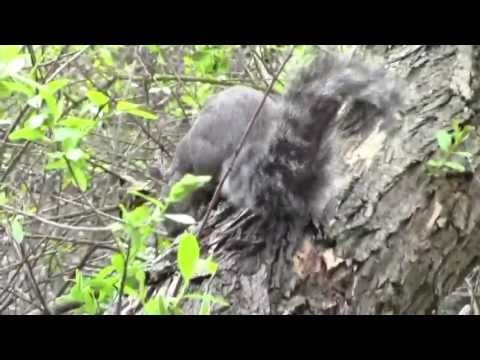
[(60, 103), (450, 141), (48, 124), (211, 64), (127, 271), (204, 62)]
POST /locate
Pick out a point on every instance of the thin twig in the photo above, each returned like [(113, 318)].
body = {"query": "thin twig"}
[(167, 78), (124, 277), (87, 212), (53, 223), (98, 243), (12, 127), (66, 63), (58, 308), (26, 108), (14, 161), (84, 197), (147, 133), (60, 57), (34, 259), (21, 254), (80, 265), (242, 142)]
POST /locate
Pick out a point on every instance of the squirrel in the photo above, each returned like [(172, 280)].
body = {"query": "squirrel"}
[(212, 139), (285, 165)]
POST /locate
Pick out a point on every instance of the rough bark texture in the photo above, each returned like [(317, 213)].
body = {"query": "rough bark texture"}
[(395, 241)]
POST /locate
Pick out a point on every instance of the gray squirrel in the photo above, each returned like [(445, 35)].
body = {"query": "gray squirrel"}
[(284, 167), (213, 138)]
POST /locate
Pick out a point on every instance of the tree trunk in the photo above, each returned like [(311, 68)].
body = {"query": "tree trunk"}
[(398, 239)]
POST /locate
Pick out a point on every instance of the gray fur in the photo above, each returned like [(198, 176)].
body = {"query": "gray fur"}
[(284, 164)]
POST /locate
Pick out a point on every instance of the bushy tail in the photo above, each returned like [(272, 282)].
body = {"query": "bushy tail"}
[(281, 177)]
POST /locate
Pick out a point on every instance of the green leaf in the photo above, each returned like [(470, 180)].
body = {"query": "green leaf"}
[(51, 102), (138, 217), (187, 255), (77, 291), (186, 185), (26, 80), (70, 143), (202, 268), (97, 97), (17, 229), (56, 164), (134, 109), (78, 123), (74, 154), (154, 48), (106, 56), (100, 283), (62, 133), (4, 92), (9, 53), (14, 86), (90, 306), (37, 120), (103, 273), (189, 100), (455, 166), (118, 262), (206, 267), (55, 85), (155, 306), (181, 218), (80, 176), (154, 201), (13, 67), (444, 140), (35, 102), (26, 134)]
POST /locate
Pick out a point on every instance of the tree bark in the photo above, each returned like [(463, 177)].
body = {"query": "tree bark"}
[(394, 240)]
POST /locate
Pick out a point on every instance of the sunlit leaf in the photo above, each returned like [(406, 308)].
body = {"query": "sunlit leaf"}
[(181, 218), (444, 140), (17, 229), (80, 176), (26, 134), (74, 154), (187, 255), (37, 120), (186, 185), (97, 97), (56, 85), (62, 133), (134, 109)]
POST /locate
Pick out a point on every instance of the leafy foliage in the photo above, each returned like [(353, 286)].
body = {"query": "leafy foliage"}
[(80, 125), (449, 142), (99, 292)]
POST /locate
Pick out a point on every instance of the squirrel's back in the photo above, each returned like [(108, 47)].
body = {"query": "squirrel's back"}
[(212, 140), (286, 175), (218, 130), (286, 161)]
